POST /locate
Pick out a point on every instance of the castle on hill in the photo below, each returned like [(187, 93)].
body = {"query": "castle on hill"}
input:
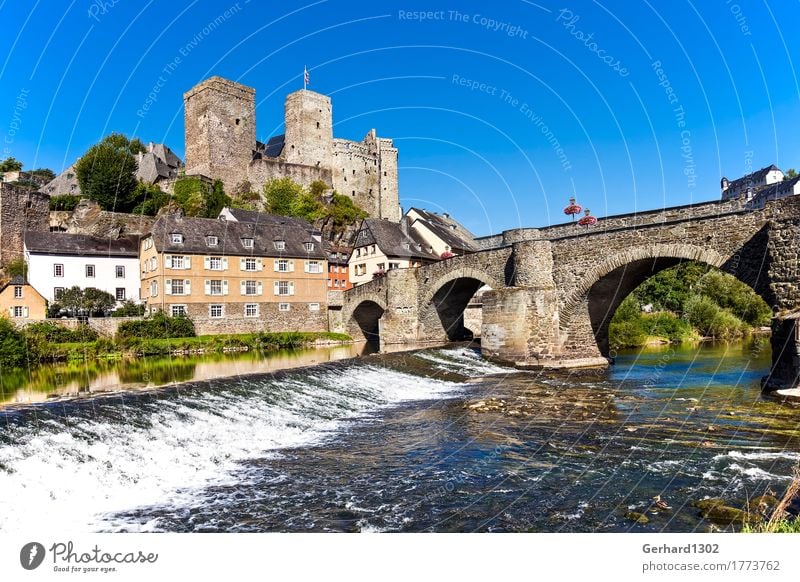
[(220, 126)]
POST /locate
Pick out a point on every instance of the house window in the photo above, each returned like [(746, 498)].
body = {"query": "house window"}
[(19, 311), (280, 245), (177, 262), (57, 293), (283, 287), (283, 307), (330, 283), (215, 287), (251, 309), (215, 263), (153, 264), (283, 265), (18, 292), (309, 246), (58, 270), (313, 306), (153, 288), (120, 294), (90, 270), (178, 310), (381, 266), (177, 287), (250, 288), (120, 270), (249, 264), (247, 243), (314, 267), (394, 266), (212, 241), (372, 250), (215, 310), (176, 238)]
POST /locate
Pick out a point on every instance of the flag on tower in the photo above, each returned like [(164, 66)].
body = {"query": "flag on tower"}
[(305, 77)]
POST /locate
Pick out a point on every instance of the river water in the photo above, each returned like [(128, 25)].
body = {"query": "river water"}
[(431, 440)]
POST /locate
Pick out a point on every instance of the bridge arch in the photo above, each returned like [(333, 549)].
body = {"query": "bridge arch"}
[(445, 299), (362, 320), (586, 312)]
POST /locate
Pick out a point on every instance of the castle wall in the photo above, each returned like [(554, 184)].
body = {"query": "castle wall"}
[(20, 210), (308, 136), (356, 173), (261, 171)]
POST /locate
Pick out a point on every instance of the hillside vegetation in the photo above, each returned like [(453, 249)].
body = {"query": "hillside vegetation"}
[(689, 301)]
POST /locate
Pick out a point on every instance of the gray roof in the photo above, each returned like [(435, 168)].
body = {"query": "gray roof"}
[(393, 239), (268, 219), (230, 235), (274, 147), (61, 243), (448, 230), (752, 177)]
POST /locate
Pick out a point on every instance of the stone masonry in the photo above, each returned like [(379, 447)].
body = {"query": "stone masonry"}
[(220, 126), (554, 290), (20, 210)]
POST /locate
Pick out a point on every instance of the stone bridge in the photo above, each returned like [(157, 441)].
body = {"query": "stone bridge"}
[(555, 289)]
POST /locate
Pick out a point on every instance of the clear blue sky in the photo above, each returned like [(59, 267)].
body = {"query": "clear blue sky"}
[(585, 80)]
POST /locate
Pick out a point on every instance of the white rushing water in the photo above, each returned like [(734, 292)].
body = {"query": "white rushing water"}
[(71, 474)]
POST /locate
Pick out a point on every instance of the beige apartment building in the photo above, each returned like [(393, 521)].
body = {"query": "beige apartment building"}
[(233, 277)]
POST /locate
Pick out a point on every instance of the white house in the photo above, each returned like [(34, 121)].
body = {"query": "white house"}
[(58, 261), (747, 186)]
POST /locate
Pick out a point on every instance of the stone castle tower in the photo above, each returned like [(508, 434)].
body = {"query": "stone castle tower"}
[(221, 144), (20, 210)]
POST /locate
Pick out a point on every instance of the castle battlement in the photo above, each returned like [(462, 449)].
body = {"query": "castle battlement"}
[(221, 144)]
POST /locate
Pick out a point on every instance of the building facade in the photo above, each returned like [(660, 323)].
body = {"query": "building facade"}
[(220, 126), (233, 277), (338, 268), (19, 300), (381, 245), (57, 261), (747, 186), (446, 236)]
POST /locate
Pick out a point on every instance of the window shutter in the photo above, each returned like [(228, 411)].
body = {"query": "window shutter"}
[(291, 266), (242, 287), (187, 287), (305, 266), (275, 262), (208, 287), (168, 287), (277, 288), (224, 286), (207, 262), (260, 288), (168, 260), (187, 262), (242, 265), (259, 265), (224, 263), (11, 309), (291, 287), (25, 312)]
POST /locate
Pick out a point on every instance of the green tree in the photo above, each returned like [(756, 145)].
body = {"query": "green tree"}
[(216, 200), (43, 175), (107, 172), (280, 195), (790, 173), (10, 164), (308, 206), (72, 300), (149, 199), (318, 188), (14, 348), (64, 202), (342, 211), (17, 267), (97, 302)]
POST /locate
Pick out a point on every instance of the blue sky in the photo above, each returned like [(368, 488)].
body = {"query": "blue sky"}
[(501, 111)]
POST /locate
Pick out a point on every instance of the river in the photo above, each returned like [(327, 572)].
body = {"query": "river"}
[(431, 440)]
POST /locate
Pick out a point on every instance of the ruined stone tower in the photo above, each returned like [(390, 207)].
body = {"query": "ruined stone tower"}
[(221, 144), (220, 126), (309, 129), (20, 210)]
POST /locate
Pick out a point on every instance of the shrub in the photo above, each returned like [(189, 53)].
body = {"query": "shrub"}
[(159, 326), (14, 349), (64, 202), (58, 334), (129, 309), (711, 320)]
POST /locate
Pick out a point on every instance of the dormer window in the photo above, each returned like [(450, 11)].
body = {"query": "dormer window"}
[(309, 246), (212, 241), (176, 238), (406, 246), (280, 245), (247, 243)]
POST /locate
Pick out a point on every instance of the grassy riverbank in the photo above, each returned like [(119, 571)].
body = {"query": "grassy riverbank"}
[(688, 302)]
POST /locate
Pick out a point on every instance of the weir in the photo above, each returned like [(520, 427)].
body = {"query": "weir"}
[(555, 289)]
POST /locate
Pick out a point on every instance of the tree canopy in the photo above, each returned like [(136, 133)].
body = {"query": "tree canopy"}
[(107, 172), (285, 197), (10, 164)]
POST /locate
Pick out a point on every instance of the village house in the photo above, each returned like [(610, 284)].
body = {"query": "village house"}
[(775, 191), (57, 261), (18, 300), (338, 269), (441, 232), (382, 245), (232, 277), (747, 186)]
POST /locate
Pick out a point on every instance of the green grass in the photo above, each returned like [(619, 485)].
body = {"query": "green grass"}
[(787, 525)]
